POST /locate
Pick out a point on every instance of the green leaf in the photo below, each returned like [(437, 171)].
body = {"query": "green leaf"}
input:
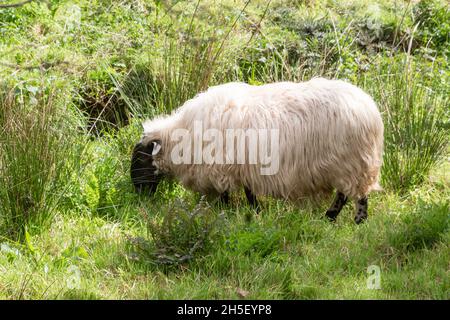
[(82, 253), (28, 242)]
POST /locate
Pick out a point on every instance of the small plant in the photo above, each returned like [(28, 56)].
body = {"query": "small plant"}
[(101, 179), (254, 241), (181, 235)]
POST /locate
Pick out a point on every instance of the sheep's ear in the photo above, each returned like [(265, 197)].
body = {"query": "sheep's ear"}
[(156, 147)]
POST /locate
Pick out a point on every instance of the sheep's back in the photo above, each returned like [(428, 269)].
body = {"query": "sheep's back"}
[(330, 135)]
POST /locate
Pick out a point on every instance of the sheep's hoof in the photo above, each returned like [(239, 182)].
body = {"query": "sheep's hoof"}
[(360, 218), (332, 215)]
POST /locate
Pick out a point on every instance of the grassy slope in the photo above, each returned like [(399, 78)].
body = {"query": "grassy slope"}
[(284, 253)]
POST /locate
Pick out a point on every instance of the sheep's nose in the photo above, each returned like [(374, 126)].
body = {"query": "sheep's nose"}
[(143, 173), (137, 161)]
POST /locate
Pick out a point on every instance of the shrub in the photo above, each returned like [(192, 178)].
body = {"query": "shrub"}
[(100, 101), (433, 18)]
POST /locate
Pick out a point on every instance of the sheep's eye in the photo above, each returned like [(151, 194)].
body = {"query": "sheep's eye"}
[(156, 147)]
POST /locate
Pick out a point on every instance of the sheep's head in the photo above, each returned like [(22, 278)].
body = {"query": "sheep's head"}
[(144, 173)]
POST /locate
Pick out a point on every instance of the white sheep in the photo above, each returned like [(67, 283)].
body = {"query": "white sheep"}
[(320, 135)]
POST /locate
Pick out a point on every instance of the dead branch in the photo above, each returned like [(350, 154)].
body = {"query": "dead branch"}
[(14, 5)]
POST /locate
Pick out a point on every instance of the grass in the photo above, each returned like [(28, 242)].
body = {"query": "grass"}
[(283, 254), (74, 93), (415, 119), (36, 150)]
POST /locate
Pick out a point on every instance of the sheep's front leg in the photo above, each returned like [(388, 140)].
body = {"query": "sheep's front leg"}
[(339, 201), (361, 210), (225, 198), (252, 199)]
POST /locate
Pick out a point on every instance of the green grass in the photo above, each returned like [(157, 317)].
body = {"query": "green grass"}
[(73, 95), (38, 151), (285, 253), (416, 118)]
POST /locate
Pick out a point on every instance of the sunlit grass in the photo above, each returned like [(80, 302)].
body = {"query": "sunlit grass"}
[(71, 225)]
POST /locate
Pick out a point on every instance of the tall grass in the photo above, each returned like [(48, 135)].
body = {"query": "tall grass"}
[(416, 119), (36, 149), (188, 65), (185, 69)]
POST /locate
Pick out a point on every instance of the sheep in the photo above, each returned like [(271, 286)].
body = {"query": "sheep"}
[(321, 135)]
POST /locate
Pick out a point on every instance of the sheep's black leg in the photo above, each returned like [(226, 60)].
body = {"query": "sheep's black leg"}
[(361, 210), (339, 201), (225, 198), (251, 199)]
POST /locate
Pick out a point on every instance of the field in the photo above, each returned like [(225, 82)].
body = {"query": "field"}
[(77, 78)]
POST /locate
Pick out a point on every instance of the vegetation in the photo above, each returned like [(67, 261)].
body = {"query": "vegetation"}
[(78, 77)]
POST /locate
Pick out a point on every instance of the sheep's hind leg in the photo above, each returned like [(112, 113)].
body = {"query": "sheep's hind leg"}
[(252, 199), (339, 201), (361, 210)]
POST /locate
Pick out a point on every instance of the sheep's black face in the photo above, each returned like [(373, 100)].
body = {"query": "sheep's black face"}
[(144, 174)]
